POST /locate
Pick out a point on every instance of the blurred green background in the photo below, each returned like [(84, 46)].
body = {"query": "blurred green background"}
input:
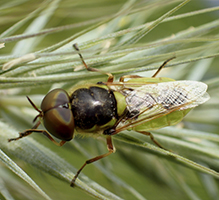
[(120, 37)]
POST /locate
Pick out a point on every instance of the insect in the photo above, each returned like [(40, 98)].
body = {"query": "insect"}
[(140, 104)]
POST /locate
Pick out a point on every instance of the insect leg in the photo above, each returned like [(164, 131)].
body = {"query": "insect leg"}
[(25, 133), (152, 138), (110, 76), (61, 143), (162, 66), (34, 129), (110, 149)]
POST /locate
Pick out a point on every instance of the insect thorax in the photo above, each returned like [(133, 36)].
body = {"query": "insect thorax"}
[(94, 109)]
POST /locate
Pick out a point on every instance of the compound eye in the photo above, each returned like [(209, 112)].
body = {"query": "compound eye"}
[(58, 118), (54, 98)]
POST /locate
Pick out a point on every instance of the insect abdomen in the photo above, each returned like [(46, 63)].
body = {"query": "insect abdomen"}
[(162, 121)]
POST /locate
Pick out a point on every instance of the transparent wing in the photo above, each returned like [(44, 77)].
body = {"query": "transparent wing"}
[(151, 101)]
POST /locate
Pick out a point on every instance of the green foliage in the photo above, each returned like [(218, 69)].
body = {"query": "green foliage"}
[(120, 37)]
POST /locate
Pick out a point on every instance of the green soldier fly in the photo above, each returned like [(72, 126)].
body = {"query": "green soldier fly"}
[(140, 104)]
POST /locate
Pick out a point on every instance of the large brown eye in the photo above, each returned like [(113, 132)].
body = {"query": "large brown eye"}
[(58, 118)]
